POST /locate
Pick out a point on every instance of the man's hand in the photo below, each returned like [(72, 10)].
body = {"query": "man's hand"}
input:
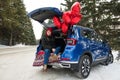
[(53, 50)]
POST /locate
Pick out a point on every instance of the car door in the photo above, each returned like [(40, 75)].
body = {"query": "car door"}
[(94, 47), (100, 50), (104, 46)]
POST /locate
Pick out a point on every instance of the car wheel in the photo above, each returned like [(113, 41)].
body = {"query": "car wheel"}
[(109, 59), (84, 67)]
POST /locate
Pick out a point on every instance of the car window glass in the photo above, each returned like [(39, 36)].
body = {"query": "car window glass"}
[(87, 34), (92, 35)]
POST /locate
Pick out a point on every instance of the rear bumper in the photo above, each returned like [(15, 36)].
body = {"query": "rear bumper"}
[(69, 62), (66, 64)]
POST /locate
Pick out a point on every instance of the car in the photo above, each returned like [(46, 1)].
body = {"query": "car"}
[(82, 47)]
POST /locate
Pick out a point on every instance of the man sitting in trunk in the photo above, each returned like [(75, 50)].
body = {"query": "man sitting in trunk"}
[(49, 47)]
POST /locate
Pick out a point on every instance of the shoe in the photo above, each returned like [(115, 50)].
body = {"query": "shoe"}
[(44, 68)]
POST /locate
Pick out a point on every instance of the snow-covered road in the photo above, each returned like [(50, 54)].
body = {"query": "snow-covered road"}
[(16, 64)]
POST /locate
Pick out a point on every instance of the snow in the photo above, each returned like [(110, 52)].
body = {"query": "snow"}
[(114, 54), (2, 46), (22, 58), (14, 49), (99, 72), (17, 45), (110, 72)]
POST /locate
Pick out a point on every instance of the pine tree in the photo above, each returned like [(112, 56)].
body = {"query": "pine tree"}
[(111, 22), (15, 25)]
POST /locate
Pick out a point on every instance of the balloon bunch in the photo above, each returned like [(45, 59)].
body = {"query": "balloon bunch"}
[(69, 18)]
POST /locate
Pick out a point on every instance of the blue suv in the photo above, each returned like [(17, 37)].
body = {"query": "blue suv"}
[(82, 48)]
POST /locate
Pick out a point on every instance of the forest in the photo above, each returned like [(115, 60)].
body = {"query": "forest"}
[(15, 26)]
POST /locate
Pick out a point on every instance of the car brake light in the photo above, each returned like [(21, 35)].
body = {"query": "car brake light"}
[(71, 41)]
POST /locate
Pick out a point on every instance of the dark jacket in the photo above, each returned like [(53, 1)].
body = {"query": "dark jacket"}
[(48, 42)]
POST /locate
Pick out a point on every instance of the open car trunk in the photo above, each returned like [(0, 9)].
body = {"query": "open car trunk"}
[(41, 15)]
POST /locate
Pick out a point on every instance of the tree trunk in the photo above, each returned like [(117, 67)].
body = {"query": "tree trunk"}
[(11, 39)]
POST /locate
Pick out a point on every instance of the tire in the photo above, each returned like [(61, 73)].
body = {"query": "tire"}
[(84, 67), (109, 59)]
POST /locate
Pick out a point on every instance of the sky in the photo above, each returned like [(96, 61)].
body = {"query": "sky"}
[(35, 4)]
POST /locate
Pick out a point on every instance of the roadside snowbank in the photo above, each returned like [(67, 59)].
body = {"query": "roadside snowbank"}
[(115, 53), (2, 45), (17, 45)]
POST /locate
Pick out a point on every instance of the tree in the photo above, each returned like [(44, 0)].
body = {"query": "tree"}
[(15, 25), (111, 22)]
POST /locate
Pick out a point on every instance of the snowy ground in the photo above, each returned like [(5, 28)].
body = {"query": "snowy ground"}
[(18, 45), (16, 64)]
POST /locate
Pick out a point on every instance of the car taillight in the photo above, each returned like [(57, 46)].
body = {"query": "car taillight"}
[(71, 41)]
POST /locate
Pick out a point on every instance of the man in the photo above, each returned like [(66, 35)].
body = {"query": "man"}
[(49, 46)]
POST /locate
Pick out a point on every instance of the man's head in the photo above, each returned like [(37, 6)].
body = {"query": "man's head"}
[(49, 32)]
